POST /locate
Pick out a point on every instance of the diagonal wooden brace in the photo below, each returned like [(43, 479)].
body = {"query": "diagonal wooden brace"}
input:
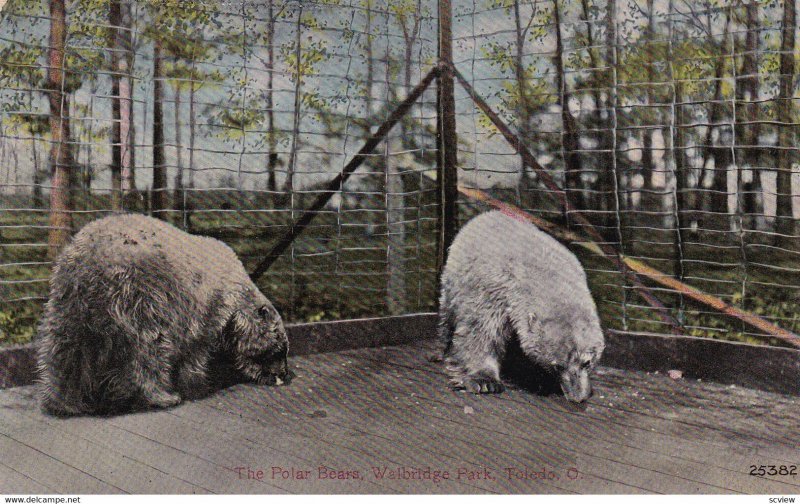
[(334, 185)]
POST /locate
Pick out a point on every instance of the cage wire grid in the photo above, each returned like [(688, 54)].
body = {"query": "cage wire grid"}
[(665, 121)]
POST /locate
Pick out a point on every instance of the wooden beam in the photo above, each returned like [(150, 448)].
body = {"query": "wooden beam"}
[(446, 140), (334, 185)]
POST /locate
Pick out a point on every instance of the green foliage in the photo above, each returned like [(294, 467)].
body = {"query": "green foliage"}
[(18, 324), (176, 21), (524, 92), (312, 53), (501, 54), (185, 75), (238, 121), (21, 67)]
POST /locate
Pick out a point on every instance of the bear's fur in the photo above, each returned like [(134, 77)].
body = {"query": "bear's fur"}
[(137, 311), (507, 279)]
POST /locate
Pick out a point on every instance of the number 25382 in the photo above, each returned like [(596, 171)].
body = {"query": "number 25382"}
[(773, 470)]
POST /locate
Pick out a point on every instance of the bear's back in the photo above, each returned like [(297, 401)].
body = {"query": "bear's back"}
[(131, 239), (122, 249), (493, 242)]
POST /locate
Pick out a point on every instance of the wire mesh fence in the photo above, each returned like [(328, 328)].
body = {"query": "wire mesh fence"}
[(259, 105), (670, 125)]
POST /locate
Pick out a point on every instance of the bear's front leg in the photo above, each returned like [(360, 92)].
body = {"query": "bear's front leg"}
[(150, 373), (191, 376)]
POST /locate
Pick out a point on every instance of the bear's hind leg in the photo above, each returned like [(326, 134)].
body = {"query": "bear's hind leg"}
[(474, 359), (65, 377), (53, 391), (444, 330)]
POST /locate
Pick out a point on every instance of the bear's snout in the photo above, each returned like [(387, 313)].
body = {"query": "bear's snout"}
[(277, 372), (279, 367), (576, 385)]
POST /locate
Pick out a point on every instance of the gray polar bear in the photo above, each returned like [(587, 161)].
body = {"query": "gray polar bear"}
[(505, 278), (138, 309)]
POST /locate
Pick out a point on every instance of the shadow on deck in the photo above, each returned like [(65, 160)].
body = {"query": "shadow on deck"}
[(358, 413)]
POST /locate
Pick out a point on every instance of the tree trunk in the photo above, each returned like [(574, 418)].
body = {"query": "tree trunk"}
[(370, 65), (16, 170), (288, 186), (159, 194), (38, 201), (720, 154), (524, 108), (88, 166), (647, 135), (595, 84), (678, 160), (188, 206), (608, 188), (746, 96), (681, 185), (192, 124), (395, 282), (124, 70), (114, 15), (395, 189), (395, 214), (569, 136), (784, 216), (4, 158), (61, 150), (177, 201), (272, 161)]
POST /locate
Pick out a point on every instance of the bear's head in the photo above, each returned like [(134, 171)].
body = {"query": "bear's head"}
[(580, 361), (258, 342), (571, 342)]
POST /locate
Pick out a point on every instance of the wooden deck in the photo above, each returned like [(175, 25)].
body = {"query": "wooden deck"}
[(387, 408)]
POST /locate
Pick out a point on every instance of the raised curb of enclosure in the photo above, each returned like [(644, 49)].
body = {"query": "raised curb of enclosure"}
[(760, 367)]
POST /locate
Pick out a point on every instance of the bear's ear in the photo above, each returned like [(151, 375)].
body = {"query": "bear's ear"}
[(266, 312), (534, 324)]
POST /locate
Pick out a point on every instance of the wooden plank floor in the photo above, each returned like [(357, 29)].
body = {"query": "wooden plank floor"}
[(365, 415)]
